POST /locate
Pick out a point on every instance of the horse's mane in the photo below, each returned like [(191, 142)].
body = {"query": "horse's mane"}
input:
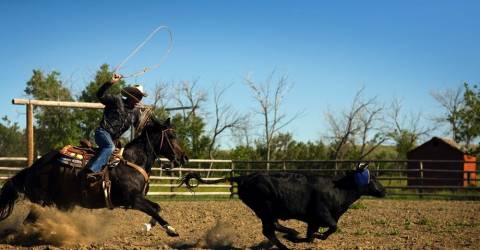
[(147, 121)]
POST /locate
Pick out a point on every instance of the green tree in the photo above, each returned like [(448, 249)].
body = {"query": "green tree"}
[(191, 133), (451, 101), (12, 139), (469, 116), (405, 131), (90, 118), (54, 126), (243, 152), (404, 141)]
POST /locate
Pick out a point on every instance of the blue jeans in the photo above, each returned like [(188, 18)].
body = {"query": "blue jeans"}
[(105, 149)]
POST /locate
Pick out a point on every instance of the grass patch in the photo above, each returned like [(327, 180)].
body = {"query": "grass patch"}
[(358, 205), (360, 232), (465, 223), (407, 224), (425, 222), (429, 224), (394, 232), (378, 234), (379, 222)]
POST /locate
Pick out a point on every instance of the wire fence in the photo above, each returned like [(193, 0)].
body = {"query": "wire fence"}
[(443, 178)]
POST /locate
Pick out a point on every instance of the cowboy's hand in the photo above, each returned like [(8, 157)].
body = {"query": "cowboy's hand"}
[(116, 78)]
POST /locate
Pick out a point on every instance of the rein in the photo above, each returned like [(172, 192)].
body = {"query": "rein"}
[(161, 142)]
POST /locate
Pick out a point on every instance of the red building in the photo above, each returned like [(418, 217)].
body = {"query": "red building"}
[(455, 158)]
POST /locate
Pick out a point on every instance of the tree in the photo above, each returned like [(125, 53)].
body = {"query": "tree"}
[(160, 99), (242, 134), (90, 118), (406, 130), (469, 116), (12, 139), (189, 124), (284, 147), (270, 96), (224, 118), (242, 152), (357, 132), (55, 126), (462, 114), (452, 102)]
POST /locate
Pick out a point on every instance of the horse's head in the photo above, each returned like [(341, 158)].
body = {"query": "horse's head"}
[(162, 140)]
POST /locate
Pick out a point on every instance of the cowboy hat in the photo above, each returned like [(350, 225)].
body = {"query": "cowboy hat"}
[(135, 91)]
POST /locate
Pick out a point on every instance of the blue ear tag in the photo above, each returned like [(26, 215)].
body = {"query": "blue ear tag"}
[(362, 178)]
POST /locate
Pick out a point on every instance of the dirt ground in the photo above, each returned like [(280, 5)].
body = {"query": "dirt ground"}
[(370, 224)]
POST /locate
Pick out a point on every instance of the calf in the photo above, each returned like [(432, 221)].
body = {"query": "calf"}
[(318, 201)]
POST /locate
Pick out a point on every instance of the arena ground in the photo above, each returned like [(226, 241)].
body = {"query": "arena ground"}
[(229, 224)]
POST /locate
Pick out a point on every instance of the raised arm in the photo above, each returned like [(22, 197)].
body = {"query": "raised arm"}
[(102, 96)]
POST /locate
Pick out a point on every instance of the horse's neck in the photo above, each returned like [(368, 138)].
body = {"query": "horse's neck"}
[(138, 152)]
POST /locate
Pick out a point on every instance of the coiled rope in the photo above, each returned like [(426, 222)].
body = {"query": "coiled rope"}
[(140, 46)]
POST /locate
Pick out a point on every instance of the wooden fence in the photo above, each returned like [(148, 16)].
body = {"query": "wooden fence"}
[(30, 104), (393, 174)]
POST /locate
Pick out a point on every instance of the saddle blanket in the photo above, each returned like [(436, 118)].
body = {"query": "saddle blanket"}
[(79, 157)]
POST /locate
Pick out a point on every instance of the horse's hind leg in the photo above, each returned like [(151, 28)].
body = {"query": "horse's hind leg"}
[(34, 213), (149, 208), (32, 217)]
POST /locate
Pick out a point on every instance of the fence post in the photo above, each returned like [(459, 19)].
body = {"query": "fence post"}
[(468, 178), (420, 190), (284, 166), (30, 142), (377, 165), (336, 168), (161, 167), (232, 167)]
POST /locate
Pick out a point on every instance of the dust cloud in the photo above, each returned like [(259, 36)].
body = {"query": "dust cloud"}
[(219, 237), (54, 227)]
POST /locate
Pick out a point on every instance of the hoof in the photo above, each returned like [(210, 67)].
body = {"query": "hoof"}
[(147, 227), (320, 236), (171, 231), (292, 238)]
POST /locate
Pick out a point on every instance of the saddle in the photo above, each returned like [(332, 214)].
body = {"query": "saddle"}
[(79, 156)]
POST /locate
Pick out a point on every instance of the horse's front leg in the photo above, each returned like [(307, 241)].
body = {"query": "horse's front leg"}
[(152, 209), (148, 226)]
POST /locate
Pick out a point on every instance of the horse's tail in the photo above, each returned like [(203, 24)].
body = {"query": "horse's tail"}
[(9, 193), (194, 175), (19, 184)]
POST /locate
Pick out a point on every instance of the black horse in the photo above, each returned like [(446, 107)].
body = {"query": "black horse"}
[(49, 182)]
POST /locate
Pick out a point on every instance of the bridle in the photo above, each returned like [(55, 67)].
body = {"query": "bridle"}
[(164, 138)]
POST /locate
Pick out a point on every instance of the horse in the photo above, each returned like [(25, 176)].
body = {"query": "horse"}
[(49, 182)]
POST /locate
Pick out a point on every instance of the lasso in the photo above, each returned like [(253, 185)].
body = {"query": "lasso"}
[(140, 46)]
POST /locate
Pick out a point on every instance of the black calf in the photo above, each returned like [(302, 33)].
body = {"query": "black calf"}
[(318, 201)]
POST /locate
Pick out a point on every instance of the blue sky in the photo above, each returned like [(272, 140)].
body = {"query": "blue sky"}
[(329, 49)]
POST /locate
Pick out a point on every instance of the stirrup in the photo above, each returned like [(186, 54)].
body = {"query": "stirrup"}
[(93, 177)]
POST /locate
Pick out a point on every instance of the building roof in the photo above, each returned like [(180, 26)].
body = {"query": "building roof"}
[(451, 143), (455, 146)]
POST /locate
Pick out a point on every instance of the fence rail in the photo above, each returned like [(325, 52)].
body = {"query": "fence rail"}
[(396, 178)]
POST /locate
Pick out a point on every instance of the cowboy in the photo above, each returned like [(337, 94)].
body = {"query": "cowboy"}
[(119, 114)]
